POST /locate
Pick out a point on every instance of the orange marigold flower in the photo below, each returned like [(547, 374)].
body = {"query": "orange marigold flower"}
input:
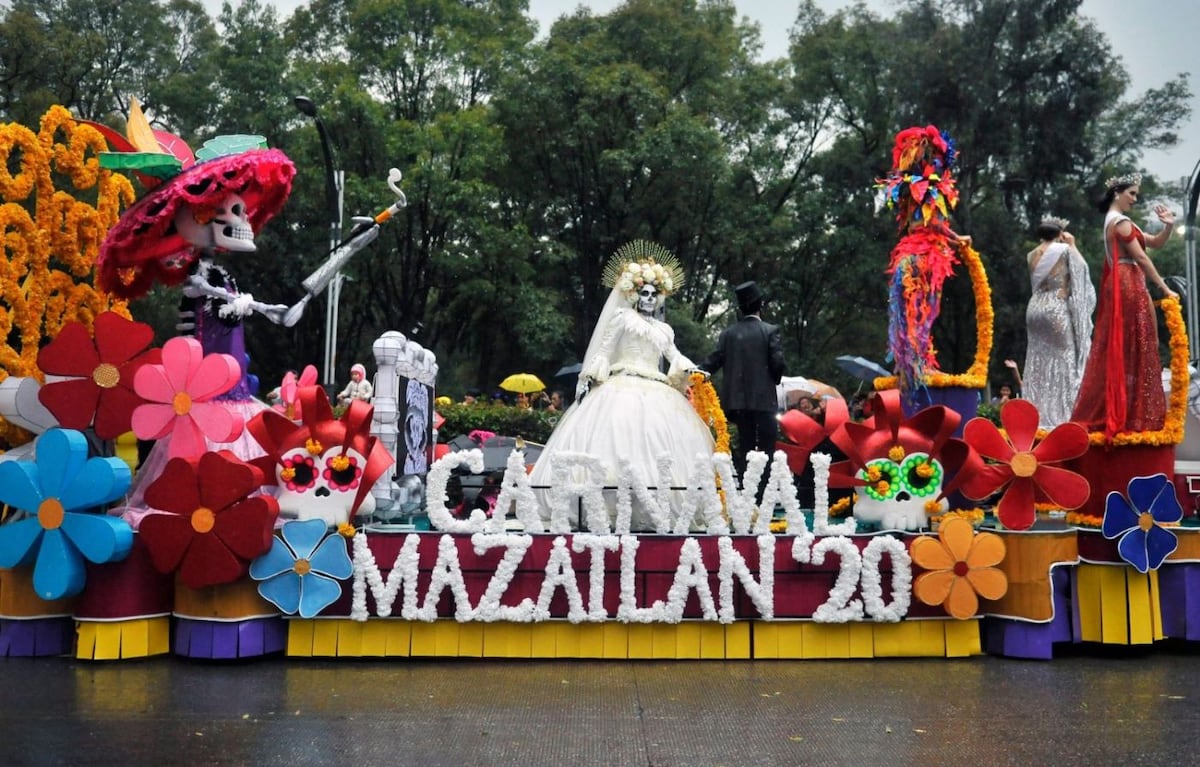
[(961, 568)]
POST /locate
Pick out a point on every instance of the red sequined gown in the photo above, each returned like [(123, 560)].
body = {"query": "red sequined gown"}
[(1123, 368)]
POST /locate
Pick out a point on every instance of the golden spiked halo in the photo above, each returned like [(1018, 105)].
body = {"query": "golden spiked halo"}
[(639, 262)]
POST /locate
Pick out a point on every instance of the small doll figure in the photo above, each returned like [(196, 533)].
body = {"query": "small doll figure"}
[(359, 387)]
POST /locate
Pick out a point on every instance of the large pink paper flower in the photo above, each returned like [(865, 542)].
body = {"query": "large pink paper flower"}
[(96, 375), (289, 400), (177, 393), (1022, 465)]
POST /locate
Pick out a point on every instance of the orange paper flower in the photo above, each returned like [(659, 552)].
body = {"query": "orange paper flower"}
[(961, 568)]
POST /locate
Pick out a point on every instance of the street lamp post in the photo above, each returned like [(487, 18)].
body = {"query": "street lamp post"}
[(334, 195)]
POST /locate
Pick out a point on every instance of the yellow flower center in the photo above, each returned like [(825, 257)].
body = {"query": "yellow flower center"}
[(203, 519), (896, 453), (340, 463), (302, 567), (1024, 464), (1146, 521), (346, 530), (313, 446), (182, 403), (106, 376), (288, 474), (50, 514)]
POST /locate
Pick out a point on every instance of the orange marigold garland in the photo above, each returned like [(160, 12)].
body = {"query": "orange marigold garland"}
[(51, 238), (708, 407)]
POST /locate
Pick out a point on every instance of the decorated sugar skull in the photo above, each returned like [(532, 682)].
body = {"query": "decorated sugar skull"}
[(324, 468), (225, 227), (899, 466)]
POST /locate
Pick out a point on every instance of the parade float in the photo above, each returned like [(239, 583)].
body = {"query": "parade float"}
[(310, 546)]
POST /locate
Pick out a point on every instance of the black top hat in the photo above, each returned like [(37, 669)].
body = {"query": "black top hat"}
[(750, 297)]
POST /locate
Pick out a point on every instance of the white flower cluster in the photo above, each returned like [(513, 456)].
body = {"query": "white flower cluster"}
[(636, 274)]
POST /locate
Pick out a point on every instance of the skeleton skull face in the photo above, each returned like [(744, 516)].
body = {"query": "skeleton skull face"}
[(896, 492), (229, 228), (316, 484), (647, 300)]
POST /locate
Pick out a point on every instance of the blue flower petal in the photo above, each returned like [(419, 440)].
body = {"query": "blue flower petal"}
[(1164, 506), (19, 485), (303, 536), (59, 571), (1118, 516), (98, 481), (20, 541), (278, 560), (316, 593), (283, 591), (61, 454), (1160, 542), (1149, 493), (1132, 548), (332, 559), (99, 537)]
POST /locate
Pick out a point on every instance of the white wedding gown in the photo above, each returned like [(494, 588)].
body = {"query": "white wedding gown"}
[(633, 410)]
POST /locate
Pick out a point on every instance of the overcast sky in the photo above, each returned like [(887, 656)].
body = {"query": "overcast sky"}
[(1152, 42)]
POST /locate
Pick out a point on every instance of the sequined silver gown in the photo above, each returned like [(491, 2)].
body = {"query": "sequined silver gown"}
[(1058, 322)]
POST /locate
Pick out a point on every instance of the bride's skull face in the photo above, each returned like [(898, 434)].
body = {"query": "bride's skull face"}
[(647, 299)]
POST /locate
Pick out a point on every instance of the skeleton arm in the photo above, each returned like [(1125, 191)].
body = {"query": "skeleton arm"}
[(236, 304)]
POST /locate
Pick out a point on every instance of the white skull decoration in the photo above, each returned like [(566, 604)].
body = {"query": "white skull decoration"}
[(896, 493), (324, 467), (647, 301), (229, 228)]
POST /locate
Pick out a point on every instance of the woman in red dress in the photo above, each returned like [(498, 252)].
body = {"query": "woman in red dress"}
[(1122, 382)]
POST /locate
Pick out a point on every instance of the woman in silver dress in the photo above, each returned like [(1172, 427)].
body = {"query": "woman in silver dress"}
[(1058, 322)]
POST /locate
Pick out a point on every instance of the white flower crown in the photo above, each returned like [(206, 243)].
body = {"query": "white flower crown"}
[(640, 263), (1061, 223)]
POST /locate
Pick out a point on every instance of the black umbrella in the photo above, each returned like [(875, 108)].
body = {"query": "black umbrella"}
[(862, 368)]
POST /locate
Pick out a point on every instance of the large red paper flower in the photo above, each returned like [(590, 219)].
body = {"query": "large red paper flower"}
[(177, 394), (803, 433), (96, 388), (212, 527), (1023, 466)]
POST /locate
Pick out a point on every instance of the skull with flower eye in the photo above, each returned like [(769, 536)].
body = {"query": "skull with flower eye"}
[(900, 466), (324, 467)]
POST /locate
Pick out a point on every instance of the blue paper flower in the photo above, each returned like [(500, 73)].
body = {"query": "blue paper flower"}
[(1138, 521), (61, 480), (302, 570)]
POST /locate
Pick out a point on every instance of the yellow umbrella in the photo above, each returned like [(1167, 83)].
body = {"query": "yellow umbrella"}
[(522, 382)]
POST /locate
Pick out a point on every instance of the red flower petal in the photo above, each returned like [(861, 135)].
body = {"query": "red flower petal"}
[(224, 480), (982, 434), (210, 563), (73, 402), (1066, 441), (180, 358), (118, 339), (987, 480), (1015, 510), (216, 374), (175, 490), (168, 537), (1063, 488), (115, 411), (71, 353), (1020, 419), (248, 527)]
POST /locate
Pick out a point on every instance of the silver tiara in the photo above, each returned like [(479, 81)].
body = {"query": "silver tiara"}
[(1129, 179), (1061, 223)]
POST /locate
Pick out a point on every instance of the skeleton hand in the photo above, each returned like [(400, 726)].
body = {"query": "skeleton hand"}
[(581, 388), (238, 306)]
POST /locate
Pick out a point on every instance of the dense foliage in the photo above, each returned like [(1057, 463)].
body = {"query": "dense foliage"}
[(528, 160)]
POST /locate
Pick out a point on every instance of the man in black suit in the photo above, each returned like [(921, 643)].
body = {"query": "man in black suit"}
[(751, 352)]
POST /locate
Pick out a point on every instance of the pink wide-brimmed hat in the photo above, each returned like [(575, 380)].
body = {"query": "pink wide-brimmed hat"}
[(143, 247)]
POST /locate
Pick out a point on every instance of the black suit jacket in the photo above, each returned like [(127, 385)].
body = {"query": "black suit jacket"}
[(751, 353)]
